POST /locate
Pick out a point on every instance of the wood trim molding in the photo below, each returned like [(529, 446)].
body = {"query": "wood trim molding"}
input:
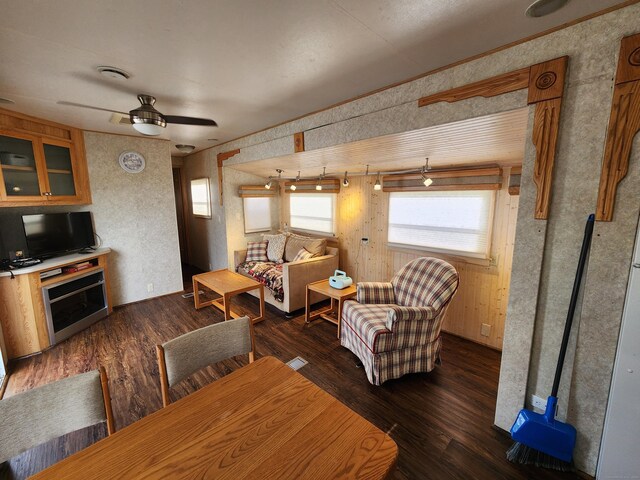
[(255, 191), (329, 185), (546, 88), (545, 139), (545, 84), (624, 123), (221, 157), (298, 142), (491, 87)]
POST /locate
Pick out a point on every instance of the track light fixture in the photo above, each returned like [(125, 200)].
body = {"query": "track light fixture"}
[(378, 185), (345, 181), (270, 182), (425, 178), (319, 184), (293, 187)]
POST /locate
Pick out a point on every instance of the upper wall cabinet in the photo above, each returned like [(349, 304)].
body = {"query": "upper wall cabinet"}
[(41, 163)]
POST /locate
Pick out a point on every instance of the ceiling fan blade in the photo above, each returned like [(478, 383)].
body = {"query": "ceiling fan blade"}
[(190, 120), (73, 104)]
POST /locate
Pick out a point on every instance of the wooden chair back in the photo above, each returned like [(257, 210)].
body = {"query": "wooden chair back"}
[(50, 411), (188, 353)]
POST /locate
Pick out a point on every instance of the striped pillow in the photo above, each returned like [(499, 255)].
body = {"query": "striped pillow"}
[(257, 252), (303, 254)]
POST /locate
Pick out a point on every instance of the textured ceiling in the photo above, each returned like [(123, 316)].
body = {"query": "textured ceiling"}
[(246, 64)]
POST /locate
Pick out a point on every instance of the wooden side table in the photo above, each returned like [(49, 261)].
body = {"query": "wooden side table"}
[(331, 314)]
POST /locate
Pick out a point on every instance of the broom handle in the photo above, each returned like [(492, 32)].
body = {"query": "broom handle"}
[(586, 243)]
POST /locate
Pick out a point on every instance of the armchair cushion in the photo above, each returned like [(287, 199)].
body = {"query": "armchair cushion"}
[(375, 293)]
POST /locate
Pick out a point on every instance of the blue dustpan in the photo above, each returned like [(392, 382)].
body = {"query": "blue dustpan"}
[(544, 433)]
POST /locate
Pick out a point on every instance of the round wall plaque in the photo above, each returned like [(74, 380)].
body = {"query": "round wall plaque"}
[(131, 162)]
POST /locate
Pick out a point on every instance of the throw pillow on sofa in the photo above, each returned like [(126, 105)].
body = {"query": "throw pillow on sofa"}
[(257, 252), (275, 247), (315, 246), (303, 254)]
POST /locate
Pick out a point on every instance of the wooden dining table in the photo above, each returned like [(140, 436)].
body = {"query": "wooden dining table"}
[(263, 421)]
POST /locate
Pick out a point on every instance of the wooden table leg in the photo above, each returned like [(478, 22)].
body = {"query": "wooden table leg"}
[(307, 305), (261, 304), (226, 301), (196, 297), (340, 303)]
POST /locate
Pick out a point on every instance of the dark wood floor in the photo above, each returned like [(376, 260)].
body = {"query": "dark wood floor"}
[(441, 421)]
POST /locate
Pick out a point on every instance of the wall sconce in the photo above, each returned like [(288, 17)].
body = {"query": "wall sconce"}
[(377, 186), (425, 179), (345, 182), (293, 187)]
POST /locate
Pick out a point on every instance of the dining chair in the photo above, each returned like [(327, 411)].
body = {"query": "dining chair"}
[(188, 353), (39, 415)]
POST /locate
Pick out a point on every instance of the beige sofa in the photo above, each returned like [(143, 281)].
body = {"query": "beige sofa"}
[(295, 276)]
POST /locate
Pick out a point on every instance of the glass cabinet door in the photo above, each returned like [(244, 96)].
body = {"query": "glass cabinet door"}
[(59, 170), (18, 167)]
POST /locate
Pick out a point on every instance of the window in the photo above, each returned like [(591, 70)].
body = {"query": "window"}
[(457, 222), (257, 214), (200, 199), (314, 212)]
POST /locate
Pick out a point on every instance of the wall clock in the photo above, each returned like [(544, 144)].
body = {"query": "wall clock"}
[(131, 162)]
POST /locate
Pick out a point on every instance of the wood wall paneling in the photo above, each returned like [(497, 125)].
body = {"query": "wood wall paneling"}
[(624, 123), (484, 289)]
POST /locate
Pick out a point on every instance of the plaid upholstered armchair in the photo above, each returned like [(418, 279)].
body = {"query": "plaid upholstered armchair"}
[(394, 328)]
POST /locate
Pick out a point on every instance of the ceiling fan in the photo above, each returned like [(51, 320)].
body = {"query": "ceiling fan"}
[(146, 119)]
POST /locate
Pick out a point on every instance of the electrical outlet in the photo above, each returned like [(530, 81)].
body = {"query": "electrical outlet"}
[(538, 403), (485, 329), (365, 240), (149, 287)]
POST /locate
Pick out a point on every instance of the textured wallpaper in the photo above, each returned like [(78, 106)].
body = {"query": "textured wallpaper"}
[(135, 216)]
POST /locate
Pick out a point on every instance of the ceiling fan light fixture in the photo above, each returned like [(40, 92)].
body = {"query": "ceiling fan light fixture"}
[(149, 129), (113, 72), (185, 148), (540, 8)]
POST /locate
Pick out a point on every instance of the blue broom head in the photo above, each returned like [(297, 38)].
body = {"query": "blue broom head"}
[(544, 433)]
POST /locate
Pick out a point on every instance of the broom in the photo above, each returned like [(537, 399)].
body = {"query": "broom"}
[(542, 440)]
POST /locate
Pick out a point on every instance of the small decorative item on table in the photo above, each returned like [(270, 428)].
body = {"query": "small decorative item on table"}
[(323, 287)]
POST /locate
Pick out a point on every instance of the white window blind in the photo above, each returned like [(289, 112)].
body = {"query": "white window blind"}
[(200, 200), (314, 212), (457, 222), (257, 214)]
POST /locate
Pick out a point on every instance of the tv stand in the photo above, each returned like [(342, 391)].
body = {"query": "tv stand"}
[(27, 320)]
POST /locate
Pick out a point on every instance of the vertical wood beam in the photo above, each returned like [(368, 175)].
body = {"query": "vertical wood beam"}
[(624, 123), (298, 142), (546, 87), (221, 158)]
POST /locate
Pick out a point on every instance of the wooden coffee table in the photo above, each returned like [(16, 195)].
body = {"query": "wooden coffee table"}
[(322, 287), (227, 284)]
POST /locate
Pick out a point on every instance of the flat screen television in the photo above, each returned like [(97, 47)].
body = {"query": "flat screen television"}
[(52, 234)]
